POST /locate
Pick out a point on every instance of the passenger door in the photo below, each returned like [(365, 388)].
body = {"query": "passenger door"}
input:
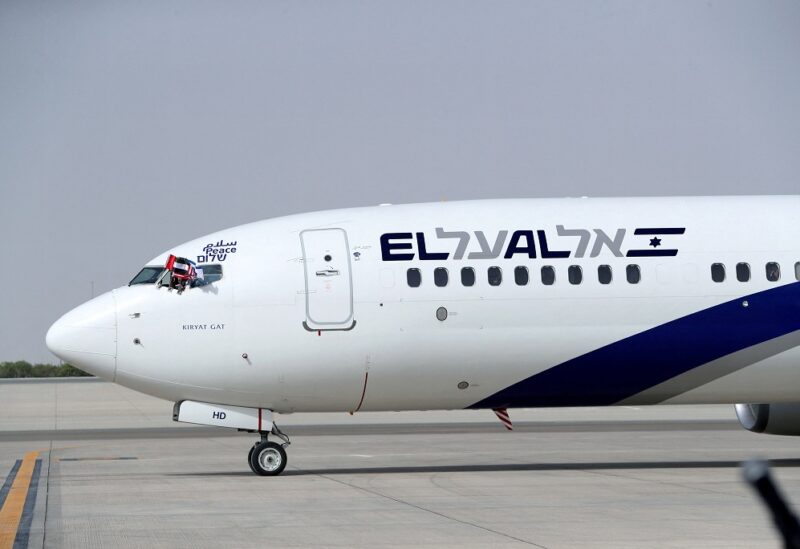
[(329, 284)]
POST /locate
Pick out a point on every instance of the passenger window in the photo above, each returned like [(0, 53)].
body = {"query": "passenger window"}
[(633, 273), (797, 270), (743, 272), (773, 272), (495, 276), (604, 274), (414, 278), (575, 274), (548, 275), (521, 276), (718, 272), (440, 276), (468, 276)]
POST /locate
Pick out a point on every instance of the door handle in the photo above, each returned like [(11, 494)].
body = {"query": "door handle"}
[(328, 272)]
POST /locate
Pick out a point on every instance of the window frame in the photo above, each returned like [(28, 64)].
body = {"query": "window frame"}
[(499, 270), (408, 277), (472, 272), (716, 270), (521, 269), (610, 274), (160, 268), (550, 269), (446, 277), (199, 283), (778, 271), (633, 268), (748, 270), (575, 269)]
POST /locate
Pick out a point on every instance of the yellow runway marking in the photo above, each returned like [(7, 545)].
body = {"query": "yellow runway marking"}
[(11, 513)]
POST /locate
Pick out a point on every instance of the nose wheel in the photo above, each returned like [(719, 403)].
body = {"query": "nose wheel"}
[(267, 458)]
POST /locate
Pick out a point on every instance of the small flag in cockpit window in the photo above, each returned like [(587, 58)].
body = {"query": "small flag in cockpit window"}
[(181, 268)]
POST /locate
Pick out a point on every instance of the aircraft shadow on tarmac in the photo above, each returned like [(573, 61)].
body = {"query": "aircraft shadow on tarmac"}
[(505, 467)]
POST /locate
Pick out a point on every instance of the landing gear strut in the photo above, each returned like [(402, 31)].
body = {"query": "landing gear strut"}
[(266, 458)]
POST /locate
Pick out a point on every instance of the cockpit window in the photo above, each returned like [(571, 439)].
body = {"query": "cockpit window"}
[(206, 274), (148, 275)]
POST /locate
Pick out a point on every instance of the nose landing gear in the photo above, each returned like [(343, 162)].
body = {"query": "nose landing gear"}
[(266, 458)]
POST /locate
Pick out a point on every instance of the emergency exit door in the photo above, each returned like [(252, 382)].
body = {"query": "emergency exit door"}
[(329, 285)]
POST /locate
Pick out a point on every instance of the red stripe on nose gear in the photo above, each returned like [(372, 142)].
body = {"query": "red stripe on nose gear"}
[(502, 415)]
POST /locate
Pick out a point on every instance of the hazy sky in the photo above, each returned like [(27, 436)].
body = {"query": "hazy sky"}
[(128, 127)]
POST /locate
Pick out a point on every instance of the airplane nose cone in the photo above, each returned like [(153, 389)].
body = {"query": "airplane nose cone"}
[(86, 337)]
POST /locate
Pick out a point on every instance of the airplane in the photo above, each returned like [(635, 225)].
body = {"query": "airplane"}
[(485, 304)]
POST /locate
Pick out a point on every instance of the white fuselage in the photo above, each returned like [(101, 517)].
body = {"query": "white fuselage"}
[(314, 312)]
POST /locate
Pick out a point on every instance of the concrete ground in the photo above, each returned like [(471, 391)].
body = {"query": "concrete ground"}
[(115, 471)]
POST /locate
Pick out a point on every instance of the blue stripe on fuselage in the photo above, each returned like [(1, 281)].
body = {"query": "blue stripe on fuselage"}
[(622, 369)]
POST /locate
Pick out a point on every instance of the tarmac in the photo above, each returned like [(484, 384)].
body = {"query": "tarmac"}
[(91, 464)]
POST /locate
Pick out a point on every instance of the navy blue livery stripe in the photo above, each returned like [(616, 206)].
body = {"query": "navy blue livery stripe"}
[(655, 242), (652, 253), (663, 230), (627, 367)]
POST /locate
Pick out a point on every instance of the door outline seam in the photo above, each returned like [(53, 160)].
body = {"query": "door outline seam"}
[(350, 283)]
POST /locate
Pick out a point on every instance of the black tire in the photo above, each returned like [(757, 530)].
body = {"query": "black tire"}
[(267, 459), (250, 458)]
